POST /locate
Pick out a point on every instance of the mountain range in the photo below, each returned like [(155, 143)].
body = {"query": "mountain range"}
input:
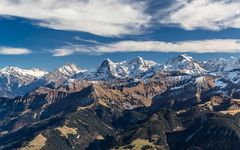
[(15, 81), (136, 104)]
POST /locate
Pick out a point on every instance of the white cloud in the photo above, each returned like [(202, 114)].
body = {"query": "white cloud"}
[(71, 49), (62, 52), (206, 14), (119, 17), (203, 46), (84, 40), (13, 51), (102, 17)]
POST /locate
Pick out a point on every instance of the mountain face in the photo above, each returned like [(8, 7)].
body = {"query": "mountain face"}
[(15, 81), (63, 73), (12, 79), (23, 81), (127, 69), (220, 64), (186, 64), (136, 104), (60, 75)]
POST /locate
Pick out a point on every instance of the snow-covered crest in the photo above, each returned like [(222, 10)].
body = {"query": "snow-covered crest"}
[(184, 63), (125, 69), (35, 72), (220, 64)]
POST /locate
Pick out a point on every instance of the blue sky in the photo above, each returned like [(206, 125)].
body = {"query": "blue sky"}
[(50, 33)]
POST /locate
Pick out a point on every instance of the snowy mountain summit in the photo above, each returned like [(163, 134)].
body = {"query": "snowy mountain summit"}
[(14, 78), (220, 64), (124, 69), (16, 81), (185, 64), (15, 71), (64, 72)]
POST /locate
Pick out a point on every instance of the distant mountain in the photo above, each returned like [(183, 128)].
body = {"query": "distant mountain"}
[(16, 81), (220, 64), (63, 73), (136, 104), (14, 78), (125, 69), (120, 70), (23, 73), (60, 75), (185, 64), (232, 76)]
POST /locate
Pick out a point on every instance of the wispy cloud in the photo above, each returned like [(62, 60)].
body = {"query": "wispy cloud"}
[(63, 52), (88, 41), (13, 51), (202, 46), (71, 49), (107, 17), (119, 17), (206, 14)]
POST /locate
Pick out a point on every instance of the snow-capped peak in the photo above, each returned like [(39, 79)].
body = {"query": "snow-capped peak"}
[(107, 60), (64, 72), (184, 63), (138, 60), (70, 69), (186, 57), (220, 64), (15, 81), (180, 58), (140, 65), (124, 69), (35, 72)]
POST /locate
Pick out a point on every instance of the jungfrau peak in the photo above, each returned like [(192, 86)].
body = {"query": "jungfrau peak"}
[(185, 64)]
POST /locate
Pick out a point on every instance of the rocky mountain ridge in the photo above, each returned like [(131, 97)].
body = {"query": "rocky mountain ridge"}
[(23, 81), (171, 107)]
